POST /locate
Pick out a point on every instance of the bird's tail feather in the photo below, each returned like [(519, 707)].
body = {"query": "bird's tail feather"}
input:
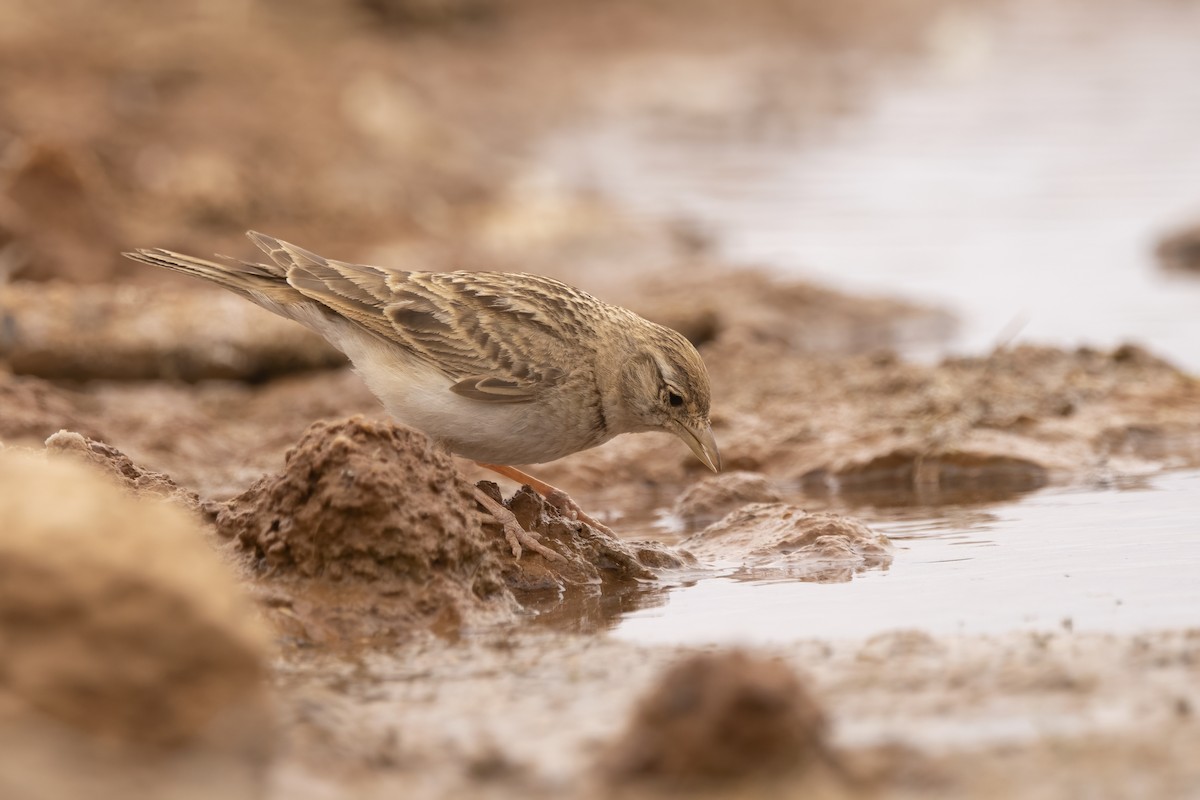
[(255, 282)]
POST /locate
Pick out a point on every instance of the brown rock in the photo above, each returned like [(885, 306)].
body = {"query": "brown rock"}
[(721, 716)]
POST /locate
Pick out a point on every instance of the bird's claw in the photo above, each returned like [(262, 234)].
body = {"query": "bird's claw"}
[(517, 537)]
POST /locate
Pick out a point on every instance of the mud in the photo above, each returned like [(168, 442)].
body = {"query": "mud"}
[(112, 462), (376, 508), (220, 453), (124, 637), (777, 539), (721, 717), (706, 501)]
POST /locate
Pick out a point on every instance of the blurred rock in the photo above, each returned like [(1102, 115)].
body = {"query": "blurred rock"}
[(1180, 250), (64, 331), (710, 499), (721, 716), (132, 663), (54, 199)]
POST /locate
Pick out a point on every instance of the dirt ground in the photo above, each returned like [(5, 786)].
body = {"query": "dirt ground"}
[(292, 597)]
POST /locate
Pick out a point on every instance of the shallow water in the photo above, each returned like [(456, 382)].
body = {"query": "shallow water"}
[(1113, 559), (1019, 174)]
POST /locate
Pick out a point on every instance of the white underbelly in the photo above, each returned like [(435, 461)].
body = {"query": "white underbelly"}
[(420, 397)]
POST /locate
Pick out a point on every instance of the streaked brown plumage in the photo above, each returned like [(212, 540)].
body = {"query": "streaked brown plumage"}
[(502, 368)]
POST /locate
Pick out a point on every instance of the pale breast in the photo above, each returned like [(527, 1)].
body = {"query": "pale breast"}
[(564, 421)]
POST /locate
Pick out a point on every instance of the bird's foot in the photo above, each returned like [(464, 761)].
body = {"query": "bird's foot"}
[(518, 538), (555, 497)]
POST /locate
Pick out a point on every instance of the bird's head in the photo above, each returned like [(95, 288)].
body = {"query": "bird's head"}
[(663, 386)]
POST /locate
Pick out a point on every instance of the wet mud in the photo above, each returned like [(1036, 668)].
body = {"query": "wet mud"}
[(223, 571)]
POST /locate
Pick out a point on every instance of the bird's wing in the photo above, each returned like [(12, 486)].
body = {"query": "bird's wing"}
[(502, 338)]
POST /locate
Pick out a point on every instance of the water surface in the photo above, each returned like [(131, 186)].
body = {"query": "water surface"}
[(1019, 174), (1085, 559)]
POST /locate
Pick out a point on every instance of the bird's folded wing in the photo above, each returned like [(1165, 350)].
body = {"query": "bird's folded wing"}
[(500, 337)]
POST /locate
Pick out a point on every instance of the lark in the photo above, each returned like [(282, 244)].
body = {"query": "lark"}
[(501, 368)]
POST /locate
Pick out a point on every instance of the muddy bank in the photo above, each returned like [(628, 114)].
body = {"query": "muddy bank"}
[(986, 426), (840, 414), (908, 715), (412, 653)]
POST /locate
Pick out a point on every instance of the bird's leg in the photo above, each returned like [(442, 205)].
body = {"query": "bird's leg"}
[(556, 497), (513, 532)]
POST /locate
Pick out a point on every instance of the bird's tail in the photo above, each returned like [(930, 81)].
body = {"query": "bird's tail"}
[(265, 284)]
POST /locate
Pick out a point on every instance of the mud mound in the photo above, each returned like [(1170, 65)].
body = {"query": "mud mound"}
[(708, 500), (118, 465), (373, 506), (61, 330), (361, 500), (721, 716), (780, 537), (122, 633), (589, 556)]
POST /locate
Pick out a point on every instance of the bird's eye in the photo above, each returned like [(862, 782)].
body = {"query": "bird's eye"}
[(674, 399)]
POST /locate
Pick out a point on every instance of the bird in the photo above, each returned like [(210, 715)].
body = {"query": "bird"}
[(501, 368)]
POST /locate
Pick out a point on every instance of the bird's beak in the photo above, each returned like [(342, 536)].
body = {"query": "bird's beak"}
[(701, 441)]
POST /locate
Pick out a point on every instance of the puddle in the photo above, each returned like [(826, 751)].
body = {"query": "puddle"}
[(1019, 175), (1117, 560)]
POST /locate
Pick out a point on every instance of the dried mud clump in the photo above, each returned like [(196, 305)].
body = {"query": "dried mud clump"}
[(369, 504), (820, 547), (710, 499), (721, 716), (121, 632), (120, 466)]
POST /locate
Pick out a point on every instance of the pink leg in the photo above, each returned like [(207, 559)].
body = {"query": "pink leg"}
[(556, 497), (513, 532)]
